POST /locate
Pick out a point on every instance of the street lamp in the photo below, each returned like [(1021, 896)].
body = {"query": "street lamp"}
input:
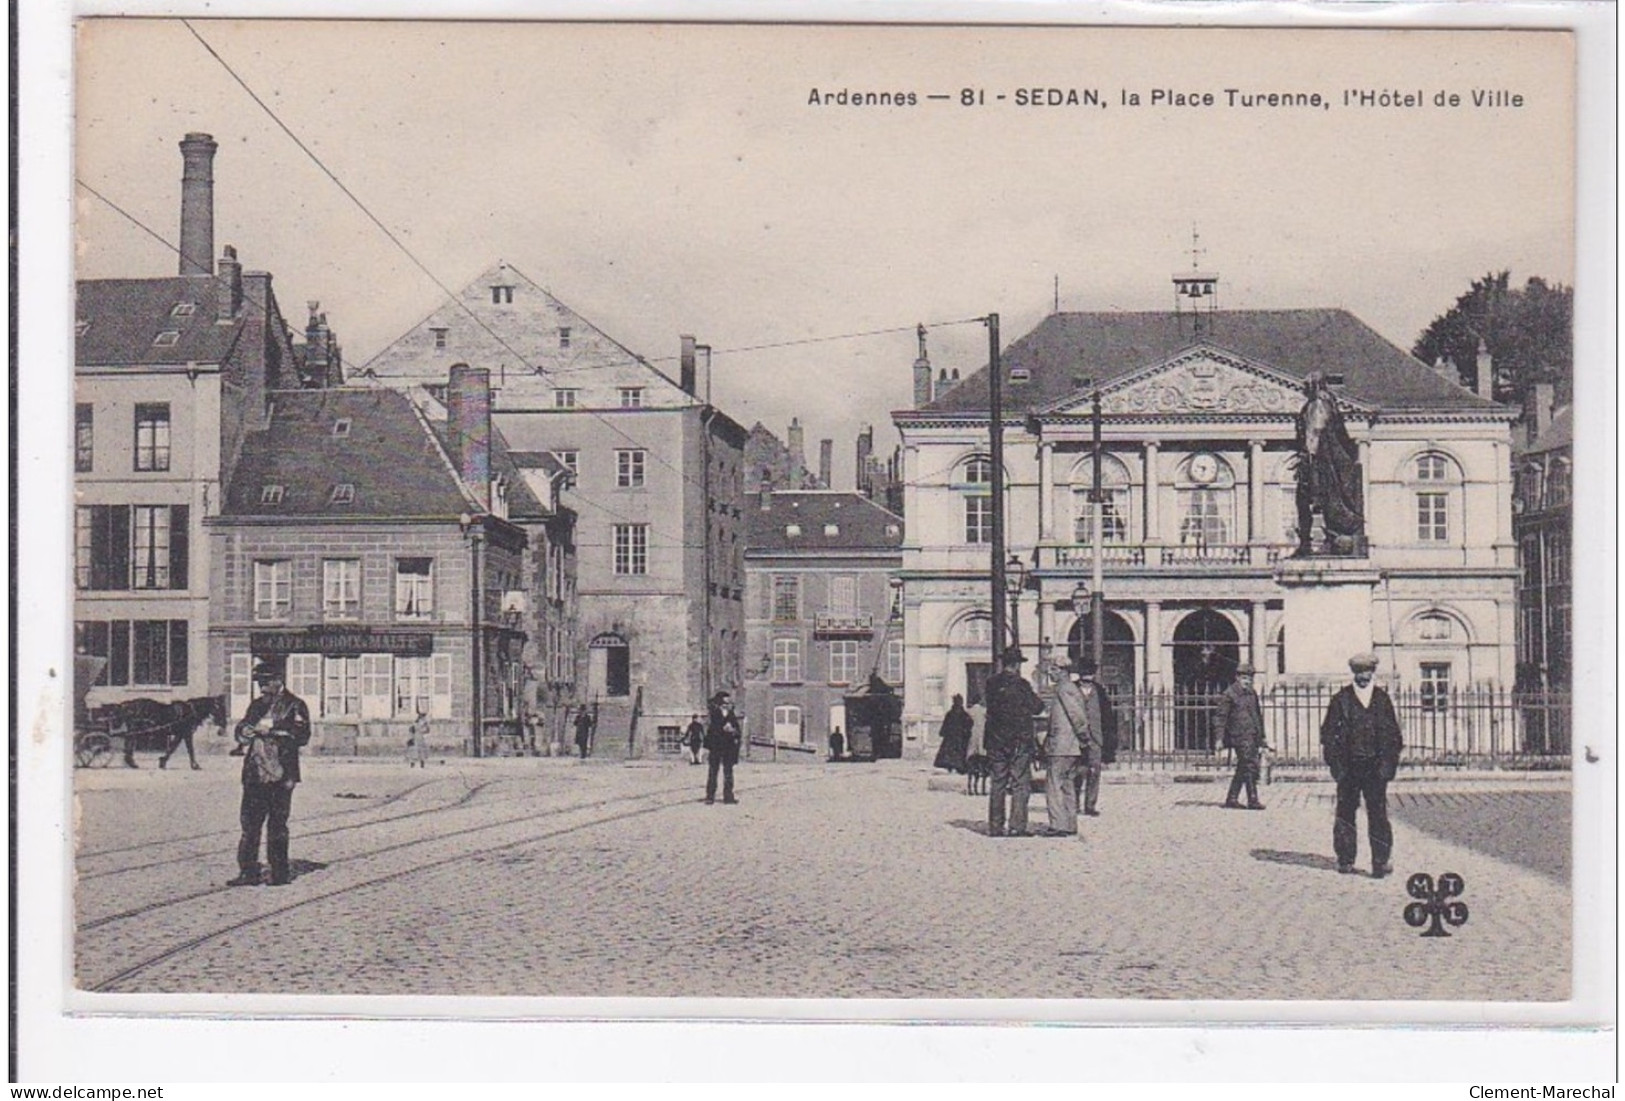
[(1015, 577)]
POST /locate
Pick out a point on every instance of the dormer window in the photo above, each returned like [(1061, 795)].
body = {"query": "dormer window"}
[(832, 529), (341, 428), (564, 399), (1020, 374), (183, 309), (343, 494), (792, 530), (564, 337), (893, 531), (502, 295), (80, 328), (167, 339), (439, 339), (271, 495)]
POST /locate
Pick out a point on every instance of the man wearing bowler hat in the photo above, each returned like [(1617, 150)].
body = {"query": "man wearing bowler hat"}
[(271, 732), (1361, 742), (1011, 705), (1238, 720)]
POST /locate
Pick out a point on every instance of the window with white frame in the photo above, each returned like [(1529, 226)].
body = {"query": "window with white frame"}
[(631, 549), (894, 661), (1433, 517), (787, 723), (631, 397), (1113, 515), (571, 461), (1434, 476), (843, 661), (152, 436), (341, 687), (377, 686), (565, 398), (1435, 685), (341, 588), (149, 548), (629, 465), (976, 483), (273, 589), (414, 588), (787, 661), (413, 686), (1205, 516)]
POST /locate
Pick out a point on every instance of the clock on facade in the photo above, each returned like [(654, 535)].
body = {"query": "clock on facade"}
[(1204, 468)]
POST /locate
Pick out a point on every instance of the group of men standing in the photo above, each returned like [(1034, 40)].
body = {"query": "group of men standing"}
[(1360, 742)]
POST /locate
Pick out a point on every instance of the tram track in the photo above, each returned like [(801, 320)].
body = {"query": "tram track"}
[(231, 835), (657, 800)]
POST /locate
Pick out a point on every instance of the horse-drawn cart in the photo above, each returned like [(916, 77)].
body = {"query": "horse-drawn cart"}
[(125, 727)]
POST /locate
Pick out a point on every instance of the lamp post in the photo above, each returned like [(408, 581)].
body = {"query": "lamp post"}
[(995, 396), (1097, 598), (1015, 576)]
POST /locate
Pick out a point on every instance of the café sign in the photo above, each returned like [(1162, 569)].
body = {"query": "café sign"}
[(335, 640)]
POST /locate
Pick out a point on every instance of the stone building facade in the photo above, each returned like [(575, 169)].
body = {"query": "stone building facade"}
[(656, 477), (1543, 524), (1199, 522), (821, 612)]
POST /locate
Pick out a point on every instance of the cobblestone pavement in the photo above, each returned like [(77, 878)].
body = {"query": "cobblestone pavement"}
[(560, 878)]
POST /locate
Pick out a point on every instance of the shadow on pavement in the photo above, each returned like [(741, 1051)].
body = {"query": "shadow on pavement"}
[(969, 826), (1299, 860), (1216, 804)]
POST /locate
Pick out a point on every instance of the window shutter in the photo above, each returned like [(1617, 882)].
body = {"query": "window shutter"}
[(377, 682), (118, 652), (305, 680), (241, 688), (179, 548), (109, 547), (177, 651), (440, 687)]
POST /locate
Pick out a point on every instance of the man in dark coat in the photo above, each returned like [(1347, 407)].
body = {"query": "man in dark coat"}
[(1011, 745), (584, 725), (694, 738), (1361, 742), (1238, 720), (722, 739), (955, 737), (279, 722)]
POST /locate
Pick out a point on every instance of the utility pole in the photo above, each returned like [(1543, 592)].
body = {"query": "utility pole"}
[(995, 388), (1097, 596)]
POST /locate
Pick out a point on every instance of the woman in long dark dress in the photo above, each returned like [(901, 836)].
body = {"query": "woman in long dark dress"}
[(955, 735)]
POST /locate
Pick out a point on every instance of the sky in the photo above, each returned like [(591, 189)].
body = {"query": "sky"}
[(665, 179)]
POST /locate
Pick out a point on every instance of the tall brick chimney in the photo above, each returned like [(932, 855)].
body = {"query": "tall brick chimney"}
[(468, 426), (687, 378), (922, 373), (1538, 406), (798, 454), (866, 447), (1486, 373), (826, 457), (197, 204)]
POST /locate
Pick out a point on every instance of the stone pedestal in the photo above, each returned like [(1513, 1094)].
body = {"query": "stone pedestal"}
[(1327, 614)]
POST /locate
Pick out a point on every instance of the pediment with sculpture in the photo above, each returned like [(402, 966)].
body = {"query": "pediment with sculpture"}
[(1197, 383)]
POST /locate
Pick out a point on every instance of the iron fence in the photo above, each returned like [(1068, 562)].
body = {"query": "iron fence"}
[(1477, 727)]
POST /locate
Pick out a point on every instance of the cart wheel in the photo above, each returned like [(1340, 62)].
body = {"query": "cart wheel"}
[(93, 751)]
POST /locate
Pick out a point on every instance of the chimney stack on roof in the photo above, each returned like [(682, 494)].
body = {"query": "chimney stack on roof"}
[(1486, 373), (322, 366), (468, 426), (1445, 368), (1539, 404), (798, 455), (866, 446), (687, 377), (826, 455), (922, 372), (197, 204), (231, 274)]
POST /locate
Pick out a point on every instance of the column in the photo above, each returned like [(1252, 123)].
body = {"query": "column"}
[(1255, 491), (1258, 638), (1046, 630), (1153, 521), (1364, 446), (1159, 732), (1046, 491)]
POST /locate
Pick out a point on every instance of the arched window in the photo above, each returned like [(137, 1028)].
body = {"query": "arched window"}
[(1115, 522), (1435, 481), (1433, 627), (975, 483), (975, 631), (1206, 486)]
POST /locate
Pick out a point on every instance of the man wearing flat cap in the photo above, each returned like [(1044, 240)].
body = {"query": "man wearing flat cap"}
[(271, 732), (1011, 745), (1238, 720), (1361, 742)]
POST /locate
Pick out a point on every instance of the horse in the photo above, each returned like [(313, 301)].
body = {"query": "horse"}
[(178, 720)]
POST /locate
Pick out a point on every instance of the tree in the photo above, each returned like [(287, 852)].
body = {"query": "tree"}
[(1528, 332)]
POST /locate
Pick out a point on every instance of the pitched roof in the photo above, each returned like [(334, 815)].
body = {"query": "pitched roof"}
[(859, 523), (388, 455), (120, 321), (1558, 435), (1110, 346)]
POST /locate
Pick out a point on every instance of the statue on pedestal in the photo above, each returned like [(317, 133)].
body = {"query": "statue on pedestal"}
[(1328, 469)]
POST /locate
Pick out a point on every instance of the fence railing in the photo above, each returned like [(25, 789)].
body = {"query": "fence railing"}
[(1480, 726)]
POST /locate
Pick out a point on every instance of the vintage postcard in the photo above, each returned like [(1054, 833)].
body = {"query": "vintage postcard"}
[(832, 521)]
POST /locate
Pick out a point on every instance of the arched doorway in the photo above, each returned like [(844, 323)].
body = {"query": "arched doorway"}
[(1206, 651), (1117, 655), (609, 666)]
